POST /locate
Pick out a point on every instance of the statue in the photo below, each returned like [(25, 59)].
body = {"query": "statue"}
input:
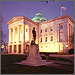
[(34, 35)]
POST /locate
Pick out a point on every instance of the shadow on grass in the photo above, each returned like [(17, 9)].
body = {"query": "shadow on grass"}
[(7, 66), (56, 59)]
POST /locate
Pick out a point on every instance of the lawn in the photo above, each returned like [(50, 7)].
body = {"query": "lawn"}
[(7, 66)]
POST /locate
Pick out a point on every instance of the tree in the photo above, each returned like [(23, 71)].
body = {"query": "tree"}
[(71, 42), (2, 34)]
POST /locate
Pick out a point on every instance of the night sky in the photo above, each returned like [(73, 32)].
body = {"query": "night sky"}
[(9, 9)]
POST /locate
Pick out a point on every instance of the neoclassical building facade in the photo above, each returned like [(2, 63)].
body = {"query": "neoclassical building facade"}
[(51, 35)]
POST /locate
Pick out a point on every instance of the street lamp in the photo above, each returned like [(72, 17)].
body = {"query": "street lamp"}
[(46, 48), (67, 48), (2, 46), (41, 49), (66, 45)]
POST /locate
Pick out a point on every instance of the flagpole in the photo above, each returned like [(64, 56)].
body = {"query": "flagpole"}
[(60, 12), (62, 9)]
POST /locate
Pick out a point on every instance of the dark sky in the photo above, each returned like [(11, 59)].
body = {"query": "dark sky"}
[(9, 9)]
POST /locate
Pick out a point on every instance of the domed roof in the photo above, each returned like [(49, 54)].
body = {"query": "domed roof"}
[(39, 18)]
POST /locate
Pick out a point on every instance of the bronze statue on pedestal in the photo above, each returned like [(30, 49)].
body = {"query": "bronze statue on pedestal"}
[(34, 36)]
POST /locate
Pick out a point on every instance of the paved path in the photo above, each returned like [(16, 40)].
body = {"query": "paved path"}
[(70, 57), (65, 67)]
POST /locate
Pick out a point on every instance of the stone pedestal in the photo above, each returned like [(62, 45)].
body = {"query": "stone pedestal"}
[(34, 58)]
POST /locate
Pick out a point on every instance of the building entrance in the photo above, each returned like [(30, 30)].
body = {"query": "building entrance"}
[(10, 48), (15, 48), (19, 48), (27, 48)]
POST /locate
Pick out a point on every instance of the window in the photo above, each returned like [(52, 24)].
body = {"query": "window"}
[(61, 26), (51, 29), (45, 30), (61, 38), (51, 38), (45, 39), (41, 40), (41, 31)]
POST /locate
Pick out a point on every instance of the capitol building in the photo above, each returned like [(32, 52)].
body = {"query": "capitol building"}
[(51, 35)]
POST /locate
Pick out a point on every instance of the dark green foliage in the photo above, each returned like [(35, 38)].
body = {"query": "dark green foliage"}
[(71, 42), (71, 51)]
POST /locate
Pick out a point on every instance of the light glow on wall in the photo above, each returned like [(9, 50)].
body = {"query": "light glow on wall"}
[(46, 48), (66, 45), (53, 47), (26, 33), (41, 49), (21, 37), (2, 46)]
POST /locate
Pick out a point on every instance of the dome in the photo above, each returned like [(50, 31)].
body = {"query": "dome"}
[(38, 18)]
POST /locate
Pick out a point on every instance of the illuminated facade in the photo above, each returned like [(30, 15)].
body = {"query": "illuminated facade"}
[(52, 35)]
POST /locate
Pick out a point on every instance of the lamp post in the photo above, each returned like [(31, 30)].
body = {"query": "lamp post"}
[(67, 48), (66, 45)]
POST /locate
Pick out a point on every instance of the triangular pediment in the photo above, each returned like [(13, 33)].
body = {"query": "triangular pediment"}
[(14, 19)]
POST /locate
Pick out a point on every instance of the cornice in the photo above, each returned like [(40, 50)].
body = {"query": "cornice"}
[(25, 18), (47, 21), (57, 18), (22, 17)]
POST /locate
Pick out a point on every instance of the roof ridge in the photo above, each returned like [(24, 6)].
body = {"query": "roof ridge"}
[(66, 15)]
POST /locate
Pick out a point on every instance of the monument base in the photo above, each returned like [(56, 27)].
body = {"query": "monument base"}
[(33, 63), (34, 58)]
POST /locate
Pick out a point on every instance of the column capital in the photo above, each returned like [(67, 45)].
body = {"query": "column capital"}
[(9, 35), (10, 28), (13, 27)]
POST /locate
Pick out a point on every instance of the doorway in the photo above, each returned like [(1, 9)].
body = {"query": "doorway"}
[(10, 48), (27, 48), (15, 48), (19, 48)]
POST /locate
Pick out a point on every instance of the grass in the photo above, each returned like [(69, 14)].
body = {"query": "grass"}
[(7, 66), (56, 59)]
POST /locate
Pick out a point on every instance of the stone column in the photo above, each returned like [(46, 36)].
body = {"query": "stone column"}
[(13, 34), (9, 35), (8, 48), (72, 30), (58, 34), (30, 34), (18, 38), (38, 34), (18, 34), (13, 39), (23, 41)]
